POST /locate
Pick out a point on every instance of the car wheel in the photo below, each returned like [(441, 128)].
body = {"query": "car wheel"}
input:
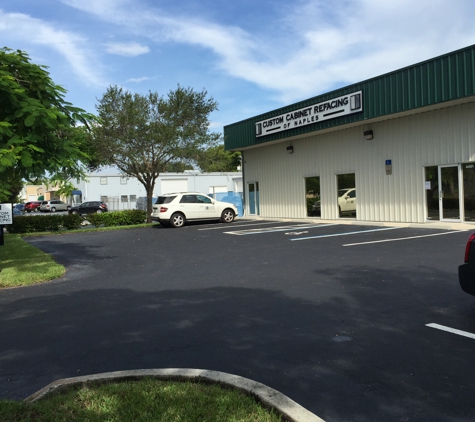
[(339, 211), (53, 209), (74, 212), (98, 211), (28, 211), (68, 207), (227, 216), (177, 220)]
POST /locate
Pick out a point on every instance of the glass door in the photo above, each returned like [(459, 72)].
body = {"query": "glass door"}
[(253, 190), (449, 193)]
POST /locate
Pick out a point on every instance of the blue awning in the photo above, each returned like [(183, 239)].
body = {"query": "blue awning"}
[(76, 192)]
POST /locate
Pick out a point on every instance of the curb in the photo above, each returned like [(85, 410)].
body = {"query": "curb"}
[(287, 408)]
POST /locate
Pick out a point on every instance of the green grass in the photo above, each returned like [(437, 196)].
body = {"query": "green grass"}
[(144, 400), (22, 264)]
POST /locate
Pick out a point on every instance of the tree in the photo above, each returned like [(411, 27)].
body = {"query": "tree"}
[(39, 130), (216, 159), (144, 134)]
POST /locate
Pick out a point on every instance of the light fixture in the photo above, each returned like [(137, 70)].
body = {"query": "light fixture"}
[(368, 134), (290, 149)]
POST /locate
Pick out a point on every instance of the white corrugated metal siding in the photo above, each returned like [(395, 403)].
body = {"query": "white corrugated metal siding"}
[(444, 136)]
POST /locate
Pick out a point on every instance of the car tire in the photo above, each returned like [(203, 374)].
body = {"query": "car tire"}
[(227, 216), (74, 212), (177, 220), (28, 211), (98, 211), (53, 209), (68, 207), (339, 211)]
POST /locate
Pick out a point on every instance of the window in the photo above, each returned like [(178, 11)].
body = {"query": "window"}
[(123, 181), (312, 196), (103, 180), (123, 198), (133, 198)]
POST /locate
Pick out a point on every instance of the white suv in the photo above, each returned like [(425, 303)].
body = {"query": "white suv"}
[(176, 208)]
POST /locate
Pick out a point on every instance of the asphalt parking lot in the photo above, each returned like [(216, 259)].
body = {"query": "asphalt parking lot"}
[(333, 316)]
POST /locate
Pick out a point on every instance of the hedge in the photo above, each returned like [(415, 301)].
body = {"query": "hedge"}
[(46, 223)]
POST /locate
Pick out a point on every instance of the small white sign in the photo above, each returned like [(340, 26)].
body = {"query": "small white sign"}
[(6, 214), (428, 186)]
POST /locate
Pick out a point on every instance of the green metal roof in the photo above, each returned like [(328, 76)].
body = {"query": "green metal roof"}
[(438, 80)]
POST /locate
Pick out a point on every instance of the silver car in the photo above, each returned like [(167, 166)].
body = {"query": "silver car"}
[(54, 205)]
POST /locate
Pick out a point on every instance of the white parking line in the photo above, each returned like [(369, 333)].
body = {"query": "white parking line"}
[(343, 234), (403, 238), (220, 226), (451, 330), (277, 229)]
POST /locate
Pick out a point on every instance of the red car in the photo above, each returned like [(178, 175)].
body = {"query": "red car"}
[(32, 206)]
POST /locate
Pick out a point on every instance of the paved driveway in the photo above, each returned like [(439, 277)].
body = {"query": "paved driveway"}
[(319, 312)]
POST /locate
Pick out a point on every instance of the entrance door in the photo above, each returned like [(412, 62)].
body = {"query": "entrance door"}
[(449, 195), (253, 189)]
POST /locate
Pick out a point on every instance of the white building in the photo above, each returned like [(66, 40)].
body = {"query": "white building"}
[(121, 193), (396, 148)]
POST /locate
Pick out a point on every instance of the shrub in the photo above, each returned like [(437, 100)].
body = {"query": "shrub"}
[(44, 223), (117, 218)]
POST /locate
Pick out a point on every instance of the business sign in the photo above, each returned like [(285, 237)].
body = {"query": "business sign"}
[(341, 106), (6, 214)]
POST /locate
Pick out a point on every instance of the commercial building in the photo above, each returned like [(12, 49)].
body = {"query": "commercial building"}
[(395, 148), (121, 192)]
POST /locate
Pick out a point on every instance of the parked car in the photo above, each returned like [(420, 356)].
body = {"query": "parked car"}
[(141, 203), (467, 270), (90, 207), (53, 206), (20, 207), (32, 206), (176, 209), (347, 201), (16, 211)]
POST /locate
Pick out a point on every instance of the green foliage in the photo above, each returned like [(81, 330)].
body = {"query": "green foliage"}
[(47, 223), (144, 135), (38, 132), (117, 218), (217, 159), (44, 223)]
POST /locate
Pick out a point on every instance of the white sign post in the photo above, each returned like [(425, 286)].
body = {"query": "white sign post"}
[(5, 218)]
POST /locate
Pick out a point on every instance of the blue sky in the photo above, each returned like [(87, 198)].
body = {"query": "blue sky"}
[(251, 56)]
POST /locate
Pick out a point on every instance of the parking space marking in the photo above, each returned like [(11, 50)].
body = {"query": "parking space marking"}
[(451, 330), (343, 234), (404, 238), (220, 225), (277, 229)]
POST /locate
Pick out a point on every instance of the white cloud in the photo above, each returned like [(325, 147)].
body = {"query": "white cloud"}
[(138, 80), (69, 45), (130, 49), (315, 46)]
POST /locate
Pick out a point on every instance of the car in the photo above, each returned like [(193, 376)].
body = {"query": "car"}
[(175, 209), (54, 205), (467, 269), (19, 207), (141, 203), (32, 206), (89, 207), (16, 211), (347, 201)]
